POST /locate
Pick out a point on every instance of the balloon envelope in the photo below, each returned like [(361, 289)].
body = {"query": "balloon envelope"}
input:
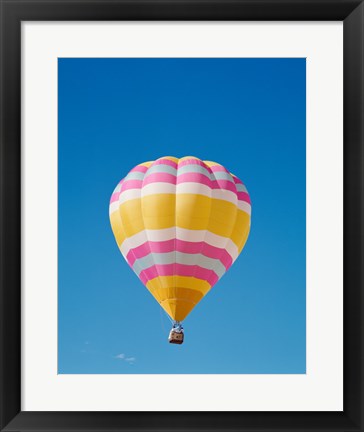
[(180, 224)]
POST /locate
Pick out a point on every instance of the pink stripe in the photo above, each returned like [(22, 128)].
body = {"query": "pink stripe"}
[(224, 184), (203, 179), (218, 168), (160, 178), (131, 184), (243, 196), (195, 178), (237, 180), (163, 161), (206, 250), (148, 247), (140, 168), (191, 162), (178, 270), (184, 178), (114, 197), (179, 246)]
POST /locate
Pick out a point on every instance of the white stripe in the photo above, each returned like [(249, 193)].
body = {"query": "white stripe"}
[(183, 188), (161, 169), (180, 234), (114, 206), (179, 258), (225, 195), (241, 188), (140, 238), (246, 207), (193, 188), (222, 175), (158, 188), (118, 187), (210, 238), (134, 175), (189, 188), (129, 194)]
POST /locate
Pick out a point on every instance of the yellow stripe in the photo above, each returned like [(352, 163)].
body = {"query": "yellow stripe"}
[(241, 231), (188, 157), (159, 211), (131, 217), (178, 308), (117, 228), (170, 282), (177, 161), (188, 211), (186, 294), (211, 164), (243, 238), (177, 302), (171, 158), (146, 164)]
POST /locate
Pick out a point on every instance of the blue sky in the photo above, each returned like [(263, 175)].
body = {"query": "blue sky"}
[(247, 114)]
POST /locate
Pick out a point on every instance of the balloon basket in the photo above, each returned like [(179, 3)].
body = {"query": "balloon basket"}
[(176, 335)]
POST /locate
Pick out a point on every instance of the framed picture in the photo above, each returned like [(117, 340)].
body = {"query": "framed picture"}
[(181, 215)]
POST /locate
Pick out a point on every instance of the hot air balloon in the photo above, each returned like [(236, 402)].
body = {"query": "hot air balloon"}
[(180, 224)]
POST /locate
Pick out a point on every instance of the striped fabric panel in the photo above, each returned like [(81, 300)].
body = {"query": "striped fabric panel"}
[(161, 168), (185, 188), (195, 271), (179, 258), (244, 202), (171, 282), (176, 246), (188, 211), (116, 193), (165, 175), (190, 238)]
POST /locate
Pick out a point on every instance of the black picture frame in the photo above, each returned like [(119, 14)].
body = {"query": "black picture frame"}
[(13, 12)]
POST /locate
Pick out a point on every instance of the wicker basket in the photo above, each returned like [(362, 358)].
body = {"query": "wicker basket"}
[(175, 337)]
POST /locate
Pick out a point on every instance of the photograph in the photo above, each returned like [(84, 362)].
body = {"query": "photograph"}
[(181, 215)]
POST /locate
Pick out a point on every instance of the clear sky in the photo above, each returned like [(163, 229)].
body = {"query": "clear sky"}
[(247, 114)]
